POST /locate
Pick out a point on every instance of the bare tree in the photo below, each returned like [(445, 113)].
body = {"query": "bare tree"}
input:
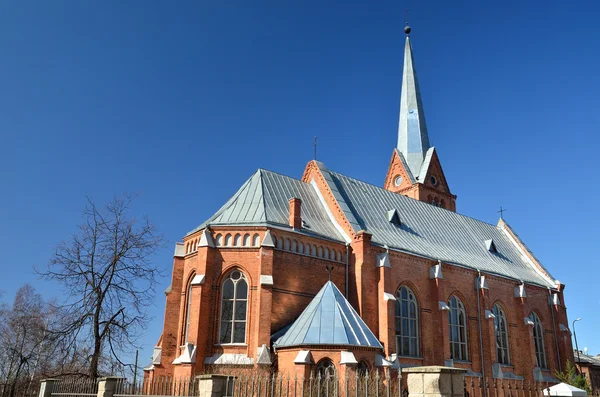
[(107, 271)]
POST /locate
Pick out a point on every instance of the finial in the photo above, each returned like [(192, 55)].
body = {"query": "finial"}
[(407, 28), (329, 268)]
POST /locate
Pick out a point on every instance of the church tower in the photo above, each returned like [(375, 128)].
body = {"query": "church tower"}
[(415, 170)]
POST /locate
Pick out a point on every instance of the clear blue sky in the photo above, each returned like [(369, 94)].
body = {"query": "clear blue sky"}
[(180, 102)]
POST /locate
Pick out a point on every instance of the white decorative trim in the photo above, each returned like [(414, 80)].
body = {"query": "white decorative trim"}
[(206, 240), (198, 279), (329, 213), (554, 299), (156, 355), (383, 260), (303, 357), (563, 328), (268, 240), (266, 280), (443, 306), (380, 361), (348, 358), (388, 297), (435, 271), (179, 250), (188, 356), (482, 283), (529, 321), (520, 291), (229, 359), (489, 314), (263, 355)]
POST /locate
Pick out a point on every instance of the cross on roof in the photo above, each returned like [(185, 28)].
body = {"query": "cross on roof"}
[(329, 268), (501, 211)]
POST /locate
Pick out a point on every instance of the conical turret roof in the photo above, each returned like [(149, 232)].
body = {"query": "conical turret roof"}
[(329, 320)]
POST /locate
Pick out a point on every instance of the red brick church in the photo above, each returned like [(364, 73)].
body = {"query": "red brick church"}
[(329, 272)]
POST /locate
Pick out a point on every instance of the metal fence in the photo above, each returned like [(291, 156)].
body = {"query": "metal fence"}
[(376, 384), (75, 387)]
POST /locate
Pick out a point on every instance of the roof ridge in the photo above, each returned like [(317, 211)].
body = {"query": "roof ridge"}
[(410, 198)]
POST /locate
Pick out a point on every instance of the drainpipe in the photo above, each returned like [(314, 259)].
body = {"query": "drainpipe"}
[(347, 261), (477, 289), (554, 329)]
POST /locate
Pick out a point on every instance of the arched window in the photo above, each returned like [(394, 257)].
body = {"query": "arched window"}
[(188, 317), (256, 240), (286, 247), (501, 327), (307, 249), (326, 253), (300, 247), (325, 368), (237, 240), (234, 301), (457, 318), (246, 240), (362, 368), (294, 246), (314, 250), (320, 254), (228, 240), (280, 243), (538, 339), (219, 240), (407, 323)]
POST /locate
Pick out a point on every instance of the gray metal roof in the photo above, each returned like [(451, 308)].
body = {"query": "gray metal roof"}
[(264, 200), (431, 231), (329, 319), (424, 229)]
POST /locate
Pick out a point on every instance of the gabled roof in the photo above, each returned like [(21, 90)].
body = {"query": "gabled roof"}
[(433, 232), (329, 319), (426, 230), (264, 200)]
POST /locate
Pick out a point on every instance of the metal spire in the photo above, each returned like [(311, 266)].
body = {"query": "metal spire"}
[(413, 141)]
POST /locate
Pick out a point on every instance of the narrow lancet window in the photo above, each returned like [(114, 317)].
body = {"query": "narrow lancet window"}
[(538, 340), (501, 328), (407, 323), (457, 318), (234, 301)]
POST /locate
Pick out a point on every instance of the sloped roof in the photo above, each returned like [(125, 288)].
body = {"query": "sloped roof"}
[(329, 319), (264, 200), (431, 231), (425, 229)]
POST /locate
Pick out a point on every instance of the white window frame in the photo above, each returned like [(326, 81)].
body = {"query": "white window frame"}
[(400, 317)]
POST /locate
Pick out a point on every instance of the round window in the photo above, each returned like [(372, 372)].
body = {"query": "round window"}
[(235, 275), (398, 180), (433, 180)]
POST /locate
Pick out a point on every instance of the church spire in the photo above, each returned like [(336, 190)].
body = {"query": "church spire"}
[(413, 141)]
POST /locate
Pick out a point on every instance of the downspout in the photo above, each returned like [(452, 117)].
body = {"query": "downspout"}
[(347, 261), (477, 288), (554, 329)]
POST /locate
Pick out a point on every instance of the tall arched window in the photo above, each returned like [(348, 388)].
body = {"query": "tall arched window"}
[(188, 316), (234, 301), (538, 340), (501, 327), (407, 323), (457, 318)]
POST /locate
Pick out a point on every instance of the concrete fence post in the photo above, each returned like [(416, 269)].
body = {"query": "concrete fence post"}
[(215, 385), (108, 386), (47, 387), (435, 381)]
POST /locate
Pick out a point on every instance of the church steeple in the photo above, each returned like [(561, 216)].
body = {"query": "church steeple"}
[(415, 170), (413, 141)]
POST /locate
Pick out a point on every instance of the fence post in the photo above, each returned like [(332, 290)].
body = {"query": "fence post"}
[(107, 386), (435, 381), (47, 387)]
